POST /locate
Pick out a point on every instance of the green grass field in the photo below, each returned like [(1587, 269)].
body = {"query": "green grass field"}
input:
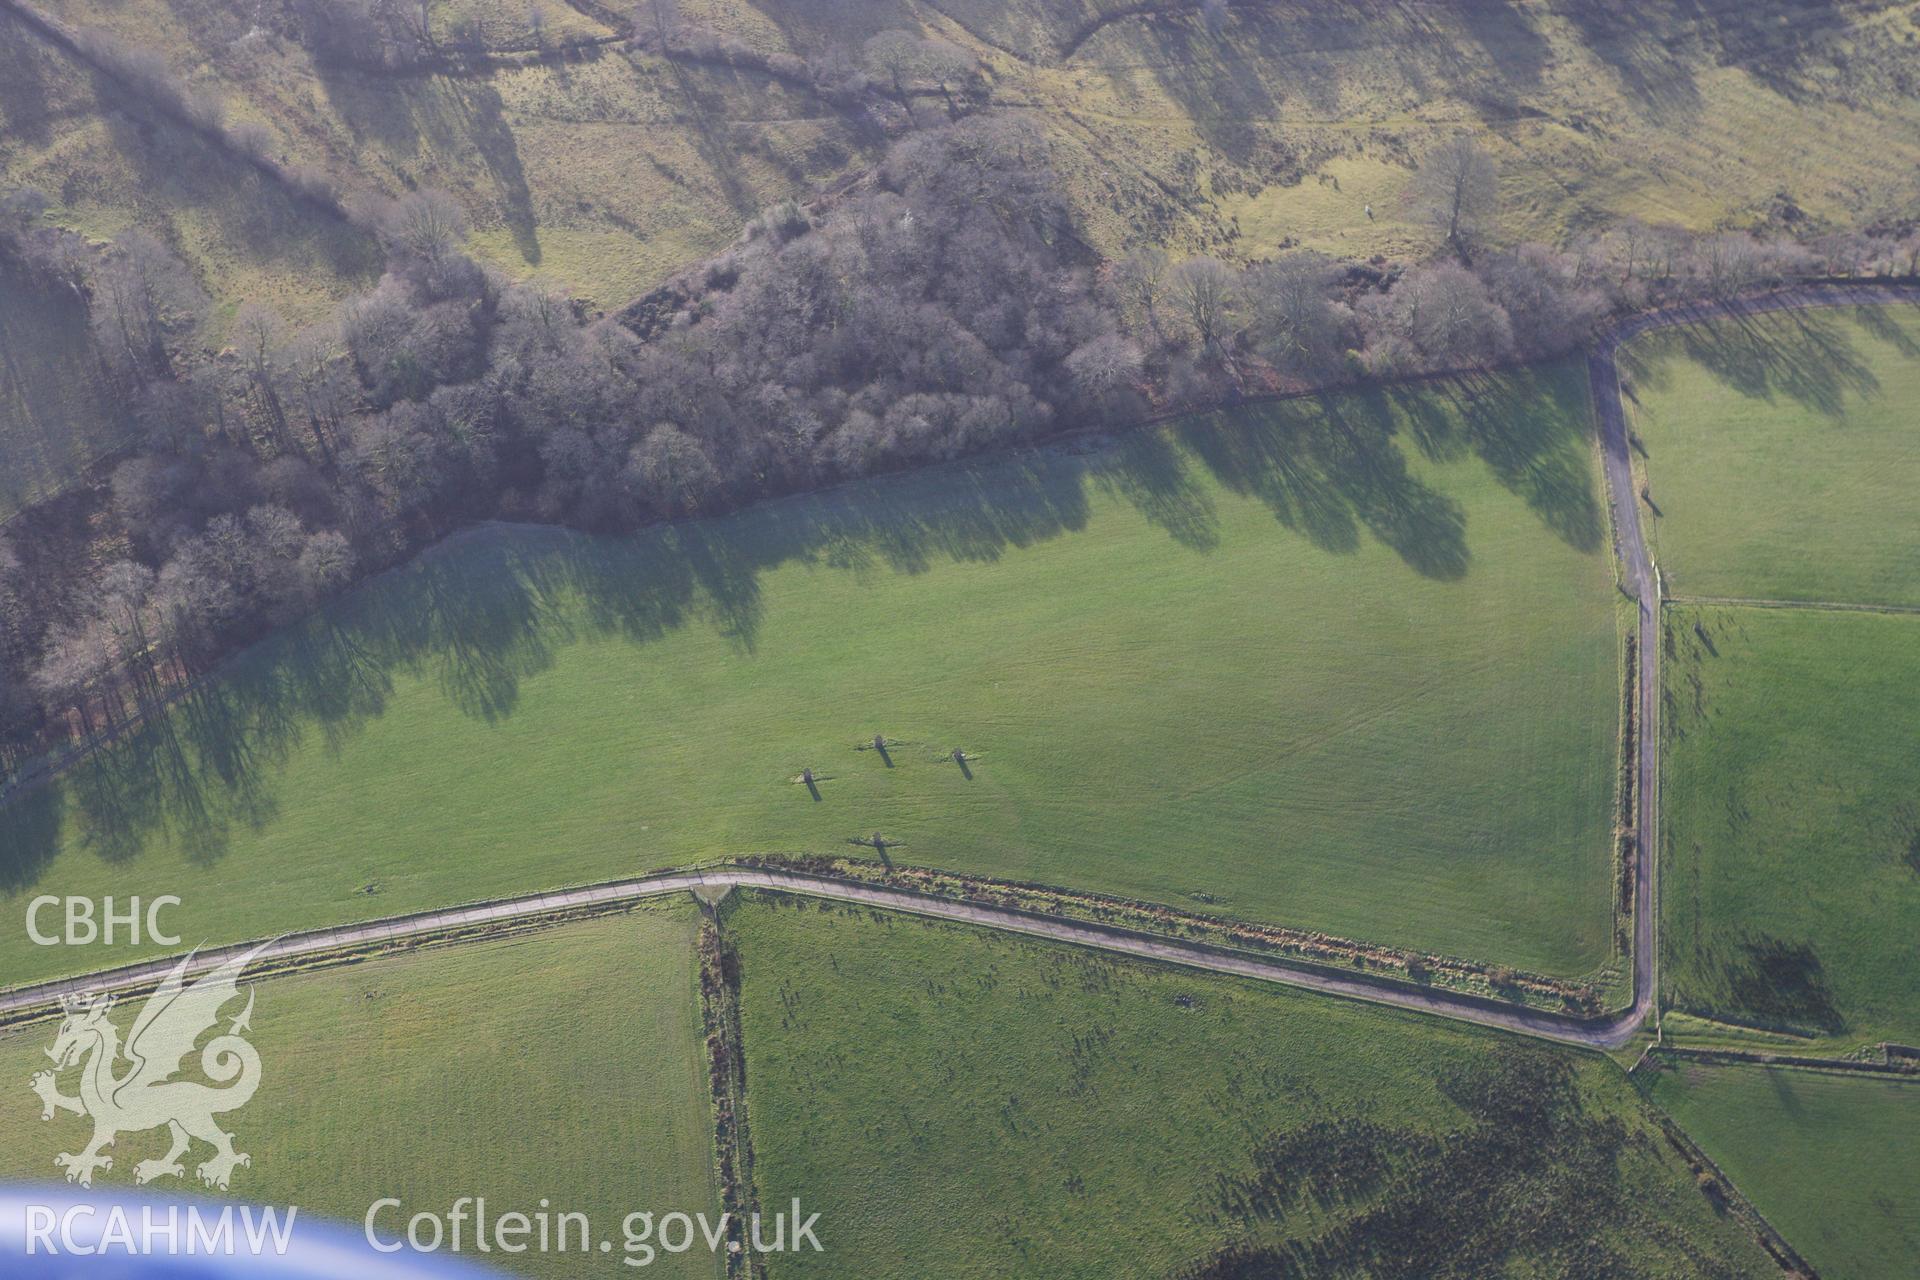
[(1791, 895), (1783, 451), (1834, 1163), (566, 1065), (1376, 693), (960, 1103), (53, 419)]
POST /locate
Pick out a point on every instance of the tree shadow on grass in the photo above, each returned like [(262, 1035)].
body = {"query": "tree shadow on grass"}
[(1806, 356), (1329, 468), (476, 616), (492, 139), (1781, 985), (1880, 323), (26, 99), (1535, 433), (1653, 69), (256, 216), (29, 834), (1149, 472)]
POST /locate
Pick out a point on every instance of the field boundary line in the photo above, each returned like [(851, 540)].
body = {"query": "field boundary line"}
[(21, 1003), (1812, 606), (1889, 1069), (1777, 1245), (1599, 1032)]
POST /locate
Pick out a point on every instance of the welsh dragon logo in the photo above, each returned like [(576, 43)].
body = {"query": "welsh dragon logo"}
[(145, 1095)]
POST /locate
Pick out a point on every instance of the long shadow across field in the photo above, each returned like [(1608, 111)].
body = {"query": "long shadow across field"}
[(1806, 356), (479, 619)]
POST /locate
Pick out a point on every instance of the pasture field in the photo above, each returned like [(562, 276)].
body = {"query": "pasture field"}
[(1791, 883), (52, 418), (1376, 693), (960, 1103), (1782, 454), (566, 1064), (1833, 1162), (606, 171)]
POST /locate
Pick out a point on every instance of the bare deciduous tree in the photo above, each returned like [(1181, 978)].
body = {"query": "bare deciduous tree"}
[(1207, 292), (1106, 367), (1456, 190), (670, 471), (1138, 282), (143, 296), (1296, 322)]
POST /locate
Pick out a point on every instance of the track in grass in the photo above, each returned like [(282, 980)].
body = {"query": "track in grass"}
[(563, 1067), (1375, 693), (959, 1103), (1832, 1161), (1791, 897)]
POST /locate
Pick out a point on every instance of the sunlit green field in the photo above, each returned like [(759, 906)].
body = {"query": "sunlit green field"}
[(960, 1103), (1348, 664), (565, 1065), (1791, 891), (1782, 454), (1833, 1163)]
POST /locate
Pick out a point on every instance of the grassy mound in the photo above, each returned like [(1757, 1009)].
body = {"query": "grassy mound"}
[(1791, 891), (1346, 663), (457, 1072), (1834, 1163), (958, 1103)]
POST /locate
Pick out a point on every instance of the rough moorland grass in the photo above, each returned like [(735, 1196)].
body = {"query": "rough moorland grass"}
[(960, 1103), (600, 174), (109, 163), (1286, 122), (606, 173), (1348, 664), (53, 420), (566, 1065), (1791, 897), (1833, 1162), (1783, 452)]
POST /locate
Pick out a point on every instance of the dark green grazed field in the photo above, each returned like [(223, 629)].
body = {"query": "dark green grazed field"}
[(1346, 663), (1834, 1163), (458, 1071), (960, 1103), (1792, 892)]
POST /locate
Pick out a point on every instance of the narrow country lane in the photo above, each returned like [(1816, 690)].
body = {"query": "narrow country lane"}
[(1638, 574)]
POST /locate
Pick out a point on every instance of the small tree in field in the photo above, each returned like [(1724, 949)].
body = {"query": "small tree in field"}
[(1456, 190)]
